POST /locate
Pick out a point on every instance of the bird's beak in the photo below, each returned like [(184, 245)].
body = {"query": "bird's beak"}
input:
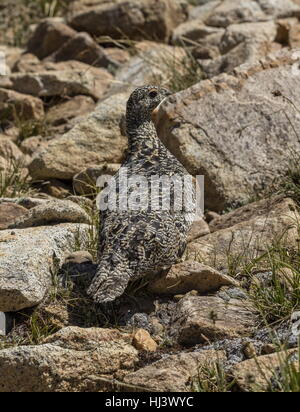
[(156, 110)]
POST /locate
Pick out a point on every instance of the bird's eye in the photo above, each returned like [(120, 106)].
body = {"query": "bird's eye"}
[(153, 94)]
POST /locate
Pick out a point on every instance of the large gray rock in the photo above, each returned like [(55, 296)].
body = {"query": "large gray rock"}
[(174, 373), (51, 212), (247, 234), (135, 19), (95, 140), (60, 79), (224, 13), (237, 130), (200, 319), (73, 360), (190, 275), (28, 258)]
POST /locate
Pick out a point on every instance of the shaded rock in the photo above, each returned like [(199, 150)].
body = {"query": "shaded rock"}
[(261, 373), (96, 140), (85, 182), (210, 216), (49, 35), (190, 275), (64, 112), (73, 360), (2, 324), (195, 31), (233, 151), (27, 202), (248, 239), (28, 257), (199, 228), (28, 63), (142, 341), (9, 212), (135, 19), (52, 212), (79, 267), (55, 188), (174, 373), (200, 319), (83, 48), (20, 106), (8, 150)]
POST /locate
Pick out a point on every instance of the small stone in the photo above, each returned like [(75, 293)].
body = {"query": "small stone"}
[(79, 257), (249, 350), (268, 349), (142, 341)]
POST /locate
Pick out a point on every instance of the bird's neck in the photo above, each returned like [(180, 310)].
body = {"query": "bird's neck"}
[(142, 138)]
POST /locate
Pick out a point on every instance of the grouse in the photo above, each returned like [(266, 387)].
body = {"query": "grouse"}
[(144, 240)]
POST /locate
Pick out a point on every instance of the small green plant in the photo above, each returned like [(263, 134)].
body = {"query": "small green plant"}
[(283, 377), (17, 16), (14, 181), (286, 378), (51, 8), (29, 128), (183, 70), (290, 184), (212, 378), (281, 298), (39, 328), (90, 241)]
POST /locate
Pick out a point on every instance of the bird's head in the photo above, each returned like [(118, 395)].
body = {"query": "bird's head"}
[(142, 102)]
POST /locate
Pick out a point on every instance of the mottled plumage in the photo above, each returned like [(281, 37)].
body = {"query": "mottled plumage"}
[(140, 242)]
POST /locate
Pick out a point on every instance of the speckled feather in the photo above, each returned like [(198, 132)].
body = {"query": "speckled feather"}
[(136, 243)]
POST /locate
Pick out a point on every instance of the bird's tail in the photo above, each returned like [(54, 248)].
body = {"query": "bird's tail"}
[(109, 282)]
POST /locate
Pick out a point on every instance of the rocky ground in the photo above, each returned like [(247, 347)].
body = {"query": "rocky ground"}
[(227, 318)]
